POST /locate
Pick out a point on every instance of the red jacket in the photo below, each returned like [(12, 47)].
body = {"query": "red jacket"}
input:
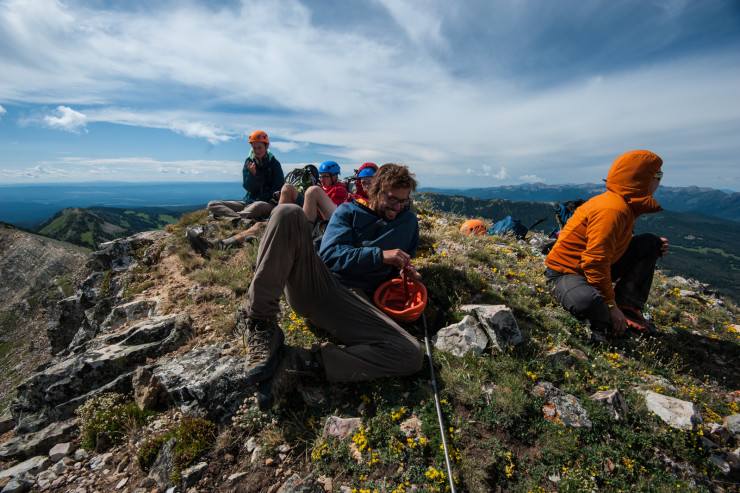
[(337, 193), (599, 232)]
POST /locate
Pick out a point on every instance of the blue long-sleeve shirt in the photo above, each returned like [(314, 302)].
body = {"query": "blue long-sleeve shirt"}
[(354, 240)]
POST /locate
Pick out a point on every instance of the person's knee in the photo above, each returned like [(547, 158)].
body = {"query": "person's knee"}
[(410, 357), (286, 212)]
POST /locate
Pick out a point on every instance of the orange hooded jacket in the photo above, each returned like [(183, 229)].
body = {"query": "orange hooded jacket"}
[(599, 232)]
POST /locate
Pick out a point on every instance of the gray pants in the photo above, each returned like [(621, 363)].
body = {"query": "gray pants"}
[(375, 345), (236, 209), (633, 273)]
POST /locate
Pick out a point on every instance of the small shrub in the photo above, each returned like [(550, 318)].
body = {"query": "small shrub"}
[(109, 413), (193, 438)]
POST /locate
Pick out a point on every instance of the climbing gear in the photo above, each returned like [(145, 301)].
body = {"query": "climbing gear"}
[(442, 428), (259, 136), (637, 323), (295, 365), (473, 227), (302, 178), (330, 167), (403, 300), (263, 341)]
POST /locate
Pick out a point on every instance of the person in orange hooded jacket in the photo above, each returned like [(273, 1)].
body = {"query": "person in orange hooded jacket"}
[(597, 248)]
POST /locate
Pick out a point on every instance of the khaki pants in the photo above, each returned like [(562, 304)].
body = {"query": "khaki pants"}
[(236, 209), (375, 346)]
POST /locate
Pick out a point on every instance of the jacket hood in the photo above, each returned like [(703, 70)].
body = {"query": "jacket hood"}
[(358, 185), (630, 177)]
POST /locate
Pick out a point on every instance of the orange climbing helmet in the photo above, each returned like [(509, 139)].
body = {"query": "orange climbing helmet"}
[(401, 299), (259, 136), (473, 227)]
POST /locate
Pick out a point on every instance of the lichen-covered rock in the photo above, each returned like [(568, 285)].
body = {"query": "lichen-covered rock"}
[(106, 365), (206, 378), (499, 323), (461, 338)]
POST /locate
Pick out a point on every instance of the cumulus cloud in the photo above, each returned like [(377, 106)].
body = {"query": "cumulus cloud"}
[(2, 112), (66, 119)]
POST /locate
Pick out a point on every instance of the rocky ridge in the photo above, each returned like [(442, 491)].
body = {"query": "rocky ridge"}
[(106, 339)]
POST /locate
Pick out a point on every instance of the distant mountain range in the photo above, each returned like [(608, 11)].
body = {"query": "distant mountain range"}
[(681, 199), (28, 205)]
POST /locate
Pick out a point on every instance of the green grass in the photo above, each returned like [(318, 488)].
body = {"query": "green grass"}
[(498, 435)]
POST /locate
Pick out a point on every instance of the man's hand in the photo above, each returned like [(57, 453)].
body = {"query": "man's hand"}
[(664, 247), (619, 321), (397, 258), (411, 274)]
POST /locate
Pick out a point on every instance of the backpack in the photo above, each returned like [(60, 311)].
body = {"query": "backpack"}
[(564, 210), (508, 225), (302, 178)]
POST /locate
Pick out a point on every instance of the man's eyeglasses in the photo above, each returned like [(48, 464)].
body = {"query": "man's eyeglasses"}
[(395, 201), (659, 175)]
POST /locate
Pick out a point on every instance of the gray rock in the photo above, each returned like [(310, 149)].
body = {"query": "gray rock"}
[(562, 407), (677, 413), (44, 479), (118, 255), (30, 467), (341, 427), (148, 391), (614, 402), (193, 474), (128, 312), (60, 451), (81, 454), (18, 485), (38, 443), (499, 323), (461, 338), (7, 422), (164, 464), (732, 423), (106, 366), (296, 484), (719, 461), (206, 378)]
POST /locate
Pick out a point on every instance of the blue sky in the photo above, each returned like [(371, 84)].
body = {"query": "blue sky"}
[(467, 94)]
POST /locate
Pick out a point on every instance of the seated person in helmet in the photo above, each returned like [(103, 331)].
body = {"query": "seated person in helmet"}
[(363, 181), (262, 176), (319, 199)]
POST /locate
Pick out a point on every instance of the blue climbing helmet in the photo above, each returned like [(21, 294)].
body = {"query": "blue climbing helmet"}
[(330, 167)]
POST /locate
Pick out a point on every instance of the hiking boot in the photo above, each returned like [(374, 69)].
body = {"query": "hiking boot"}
[(295, 366), (637, 323), (202, 245), (264, 342)]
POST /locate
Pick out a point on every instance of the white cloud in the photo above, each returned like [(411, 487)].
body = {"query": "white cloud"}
[(531, 179), (67, 119), (201, 130), (2, 112)]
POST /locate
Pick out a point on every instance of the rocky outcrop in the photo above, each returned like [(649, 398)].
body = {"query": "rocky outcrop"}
[(106, 365)]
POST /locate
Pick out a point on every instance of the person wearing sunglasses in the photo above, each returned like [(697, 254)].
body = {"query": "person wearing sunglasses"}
[(599, 270), (363, 181), (363, 246)]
